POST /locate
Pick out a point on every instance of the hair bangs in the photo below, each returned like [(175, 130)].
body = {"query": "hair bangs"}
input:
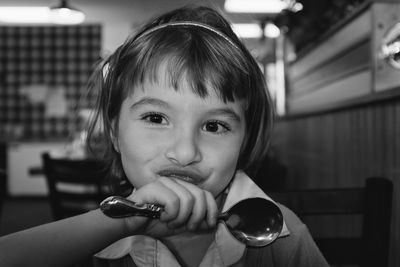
[(201, 58)]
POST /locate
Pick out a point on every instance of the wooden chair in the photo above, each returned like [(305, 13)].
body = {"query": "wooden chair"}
[(3, 174), (343, 208), (3, 177), (75, 186)]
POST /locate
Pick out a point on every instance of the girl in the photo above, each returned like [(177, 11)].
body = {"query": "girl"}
[(185, 115)]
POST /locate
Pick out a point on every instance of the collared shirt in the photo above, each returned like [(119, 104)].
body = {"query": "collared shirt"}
[(225, 250)]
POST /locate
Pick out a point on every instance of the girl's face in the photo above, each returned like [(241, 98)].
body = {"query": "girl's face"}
[(163, 132)]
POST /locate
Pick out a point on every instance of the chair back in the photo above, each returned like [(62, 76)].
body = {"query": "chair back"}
[(3, 178), (3, 174), (361, 215), (75, 185)]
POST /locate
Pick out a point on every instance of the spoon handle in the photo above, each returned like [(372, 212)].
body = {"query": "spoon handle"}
[(223, 216), (119, 207)]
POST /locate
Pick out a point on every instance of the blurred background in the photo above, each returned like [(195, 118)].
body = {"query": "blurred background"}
[(332, 67)]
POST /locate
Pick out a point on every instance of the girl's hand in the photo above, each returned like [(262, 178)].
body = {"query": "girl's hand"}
[(186, 207)]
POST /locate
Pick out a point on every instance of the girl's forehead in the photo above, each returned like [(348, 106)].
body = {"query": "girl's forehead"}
[(162, 85)]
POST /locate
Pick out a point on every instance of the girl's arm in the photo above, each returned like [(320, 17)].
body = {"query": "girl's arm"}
[(64, 242), (61, 243)]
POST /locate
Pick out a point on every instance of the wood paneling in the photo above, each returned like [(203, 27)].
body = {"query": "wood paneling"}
[(345, 66), (341, 148)]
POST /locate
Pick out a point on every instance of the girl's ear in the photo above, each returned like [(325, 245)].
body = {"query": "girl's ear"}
[(115, 143), (113, 134)]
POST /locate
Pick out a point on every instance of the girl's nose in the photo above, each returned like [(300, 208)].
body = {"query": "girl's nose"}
[(184, 148)]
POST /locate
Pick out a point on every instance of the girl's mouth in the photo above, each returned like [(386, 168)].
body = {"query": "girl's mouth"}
[(183, 175)]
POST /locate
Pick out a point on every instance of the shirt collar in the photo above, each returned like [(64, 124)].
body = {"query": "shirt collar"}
[(224, 251)]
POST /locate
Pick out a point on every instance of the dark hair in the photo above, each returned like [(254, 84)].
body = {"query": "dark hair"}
[(207, 59)]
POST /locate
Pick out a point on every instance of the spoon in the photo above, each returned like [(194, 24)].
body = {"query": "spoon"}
[(255, 222)]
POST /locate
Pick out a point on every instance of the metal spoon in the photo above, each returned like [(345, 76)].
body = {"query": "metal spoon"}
[(255, 222)]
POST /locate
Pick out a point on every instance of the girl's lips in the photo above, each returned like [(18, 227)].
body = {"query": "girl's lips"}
[(184, 175)]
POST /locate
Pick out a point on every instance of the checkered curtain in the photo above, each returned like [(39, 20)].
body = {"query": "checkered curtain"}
[(48, 55)]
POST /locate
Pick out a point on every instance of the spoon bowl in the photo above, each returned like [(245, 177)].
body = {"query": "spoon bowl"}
[(255, 222)]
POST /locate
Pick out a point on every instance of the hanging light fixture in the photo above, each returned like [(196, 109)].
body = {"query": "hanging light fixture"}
[(66, 14)]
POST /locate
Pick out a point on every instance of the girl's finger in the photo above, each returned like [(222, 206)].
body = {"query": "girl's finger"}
[(199, 209), (186, 201), (212, 209)]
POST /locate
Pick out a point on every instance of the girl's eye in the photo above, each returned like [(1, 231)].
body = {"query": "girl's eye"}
[(154, 118), (216, 127)]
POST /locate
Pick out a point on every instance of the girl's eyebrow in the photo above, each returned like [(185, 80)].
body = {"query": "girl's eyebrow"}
[(149, 101), (227, 112)]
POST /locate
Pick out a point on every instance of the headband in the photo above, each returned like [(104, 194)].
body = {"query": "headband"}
[(188, 24), (105, 68)]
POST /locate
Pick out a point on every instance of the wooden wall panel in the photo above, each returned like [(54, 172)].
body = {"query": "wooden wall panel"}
[(342, 148)]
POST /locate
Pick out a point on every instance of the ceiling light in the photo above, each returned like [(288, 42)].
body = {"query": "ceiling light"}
[(262, 6), (254, 30), (61, 14), (66, 14), (247, 30), (24, 14)]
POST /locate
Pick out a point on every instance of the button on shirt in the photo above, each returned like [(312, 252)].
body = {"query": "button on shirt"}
[(225, 250)]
